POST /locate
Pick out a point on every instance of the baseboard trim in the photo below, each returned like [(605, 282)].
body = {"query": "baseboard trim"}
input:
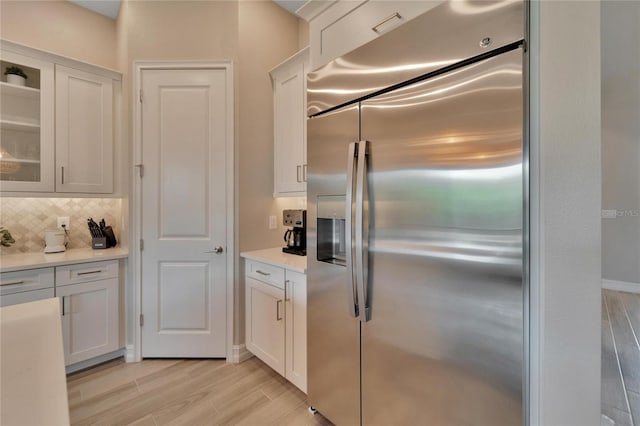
[(239, 354), (629, 287), (129, 353), (94, 361)]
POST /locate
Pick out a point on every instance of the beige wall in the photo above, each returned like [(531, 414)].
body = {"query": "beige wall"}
[(60, 27), (267, 35), (303, 33), (621, 140), (261, 24), (175, 30)]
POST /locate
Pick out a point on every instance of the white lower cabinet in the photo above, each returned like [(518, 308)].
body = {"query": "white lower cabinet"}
[(295, 325), (90, 314), (276, 319), (265, 323)]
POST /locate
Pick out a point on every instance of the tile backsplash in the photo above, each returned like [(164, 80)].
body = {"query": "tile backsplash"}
[(28, 218)]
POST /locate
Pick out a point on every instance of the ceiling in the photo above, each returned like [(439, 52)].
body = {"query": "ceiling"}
[(110, 8), (290, 5)]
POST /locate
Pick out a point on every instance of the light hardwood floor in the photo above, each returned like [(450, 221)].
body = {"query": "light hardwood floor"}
[(187, 392), (620, 358)]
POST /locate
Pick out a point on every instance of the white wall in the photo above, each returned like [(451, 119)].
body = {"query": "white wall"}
[(621, 140), (565, 210)]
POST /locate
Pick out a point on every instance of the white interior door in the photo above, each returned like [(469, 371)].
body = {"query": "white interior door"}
[(184, 212)]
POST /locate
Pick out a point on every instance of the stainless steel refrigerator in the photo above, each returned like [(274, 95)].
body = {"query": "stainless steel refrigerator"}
[(417, 200)]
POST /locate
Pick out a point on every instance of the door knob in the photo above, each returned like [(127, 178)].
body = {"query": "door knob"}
[(216, 250)]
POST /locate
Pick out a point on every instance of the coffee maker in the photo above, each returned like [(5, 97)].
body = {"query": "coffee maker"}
[(296, 238)]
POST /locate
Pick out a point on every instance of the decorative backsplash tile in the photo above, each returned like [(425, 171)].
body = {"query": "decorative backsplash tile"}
[(28, 218)]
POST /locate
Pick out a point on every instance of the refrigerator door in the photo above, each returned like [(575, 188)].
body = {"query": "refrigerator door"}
[(444, 342), (333, 331)]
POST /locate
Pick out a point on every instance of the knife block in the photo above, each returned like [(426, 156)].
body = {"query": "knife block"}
[(98, 243)]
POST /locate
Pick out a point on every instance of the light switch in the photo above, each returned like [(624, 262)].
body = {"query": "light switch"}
[(273, 224)]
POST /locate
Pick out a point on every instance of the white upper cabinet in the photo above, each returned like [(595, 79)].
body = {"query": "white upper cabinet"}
[(26, 125), (289, 125), (341, 26), (84, 131), (60, 131)]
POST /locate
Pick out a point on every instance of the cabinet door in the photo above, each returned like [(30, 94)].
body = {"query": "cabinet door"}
[(26, 125), (289, 92), (346, 25), (89, 319), (264, 306), (296, 329), (84, 132)]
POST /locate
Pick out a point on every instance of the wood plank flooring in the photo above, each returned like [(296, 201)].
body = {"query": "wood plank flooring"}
[(620, 358), (212, 392), (187, 392)]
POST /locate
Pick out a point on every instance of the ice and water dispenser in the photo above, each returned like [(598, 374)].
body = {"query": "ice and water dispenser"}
[(331, 229)]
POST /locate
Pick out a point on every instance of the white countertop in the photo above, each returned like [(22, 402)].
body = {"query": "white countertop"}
[(22, 261), (275, 256), (33, 381)]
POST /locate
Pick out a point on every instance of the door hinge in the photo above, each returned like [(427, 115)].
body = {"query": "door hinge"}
[(141, 244), (140, 95), (140, 168), (141, 320)]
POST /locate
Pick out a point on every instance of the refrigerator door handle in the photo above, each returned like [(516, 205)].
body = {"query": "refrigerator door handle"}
[(349, 235), (361, 231)]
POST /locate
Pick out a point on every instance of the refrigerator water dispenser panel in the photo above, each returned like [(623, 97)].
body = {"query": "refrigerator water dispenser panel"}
[(331, 229)]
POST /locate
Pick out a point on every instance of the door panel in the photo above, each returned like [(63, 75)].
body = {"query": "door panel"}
[(184, 213), (333, 348), (182, 168), (183, 291), (445, 341)]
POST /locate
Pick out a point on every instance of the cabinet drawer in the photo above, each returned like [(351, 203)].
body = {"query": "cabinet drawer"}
[(26, 296), (85, 272), (346, 25), (266, 273), (31, 279)]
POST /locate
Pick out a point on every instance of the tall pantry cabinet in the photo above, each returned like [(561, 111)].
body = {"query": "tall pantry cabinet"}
[(59, 127)]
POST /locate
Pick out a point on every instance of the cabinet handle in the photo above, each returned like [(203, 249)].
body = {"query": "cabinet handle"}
[(266, 274), (278, 316), (298, 173), (385, 20), (62, 175), (64, 305), (286, 293), (89, 272), (304, 173), (12, 282)]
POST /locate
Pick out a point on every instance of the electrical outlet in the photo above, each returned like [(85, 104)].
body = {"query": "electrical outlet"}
[(64, 220), (273, 222)]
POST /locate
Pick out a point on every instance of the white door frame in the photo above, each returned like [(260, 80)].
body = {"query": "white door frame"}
[(135, 353)]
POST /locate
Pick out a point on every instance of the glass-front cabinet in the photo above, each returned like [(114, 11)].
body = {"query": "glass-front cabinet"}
[(26, 124)]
